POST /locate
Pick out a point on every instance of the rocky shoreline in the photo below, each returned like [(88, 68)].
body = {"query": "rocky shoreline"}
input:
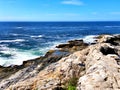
[(75, 65)]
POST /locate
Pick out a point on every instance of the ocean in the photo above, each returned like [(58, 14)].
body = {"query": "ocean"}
[(20, 41)]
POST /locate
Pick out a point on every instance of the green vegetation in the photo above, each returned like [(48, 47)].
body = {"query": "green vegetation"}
[(72, 83), (71, 88)]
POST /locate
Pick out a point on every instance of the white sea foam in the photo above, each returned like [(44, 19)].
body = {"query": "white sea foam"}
[(3, 47), (15, 34), (89, 39), (16, 40), (38, 36), (17, 57), (19, 27)]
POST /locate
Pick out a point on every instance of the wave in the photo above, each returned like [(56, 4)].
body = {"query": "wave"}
[(38, 36), (18, 27), (89, 39), (21, 35), (3, 47), (112, 26), (16, 40), (15, 34), (17, 59), (12, 56)]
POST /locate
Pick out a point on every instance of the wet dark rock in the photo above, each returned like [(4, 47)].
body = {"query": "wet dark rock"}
[(108, 50), (58, 88), (56, 53), (76, 42), (115, 40), (72, 43), (64, 46)]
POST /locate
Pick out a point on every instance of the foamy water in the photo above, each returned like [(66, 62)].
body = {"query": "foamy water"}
[(21, 41), (16, 40), (38, 36), (89, 39), (12, 56)]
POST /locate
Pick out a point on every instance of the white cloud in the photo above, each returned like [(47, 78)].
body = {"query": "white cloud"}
[(72, 2)]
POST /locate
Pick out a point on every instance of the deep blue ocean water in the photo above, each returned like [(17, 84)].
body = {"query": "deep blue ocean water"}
[(21, 41)]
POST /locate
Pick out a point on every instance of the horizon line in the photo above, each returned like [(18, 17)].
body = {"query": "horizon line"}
[(68, 21)]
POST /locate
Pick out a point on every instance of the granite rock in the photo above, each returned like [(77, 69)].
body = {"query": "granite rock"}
[(96, 67)]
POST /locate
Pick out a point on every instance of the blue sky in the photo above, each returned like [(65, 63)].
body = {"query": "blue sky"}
[(59, 10)]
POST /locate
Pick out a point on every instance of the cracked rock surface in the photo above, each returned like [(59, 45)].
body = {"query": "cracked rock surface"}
[(96, 66)]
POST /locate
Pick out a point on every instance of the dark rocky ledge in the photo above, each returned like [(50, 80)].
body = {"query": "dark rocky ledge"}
[(50, 57)]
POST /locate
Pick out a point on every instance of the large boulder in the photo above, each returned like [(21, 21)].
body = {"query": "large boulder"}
[(102, 71)]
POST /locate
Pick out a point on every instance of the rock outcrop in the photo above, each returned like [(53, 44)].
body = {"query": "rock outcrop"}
[(74, 66)]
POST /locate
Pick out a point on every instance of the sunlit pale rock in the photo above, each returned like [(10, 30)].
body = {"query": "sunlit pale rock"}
[(96, 67)]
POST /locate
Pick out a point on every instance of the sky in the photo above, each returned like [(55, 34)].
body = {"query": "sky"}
[(59, 10)]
